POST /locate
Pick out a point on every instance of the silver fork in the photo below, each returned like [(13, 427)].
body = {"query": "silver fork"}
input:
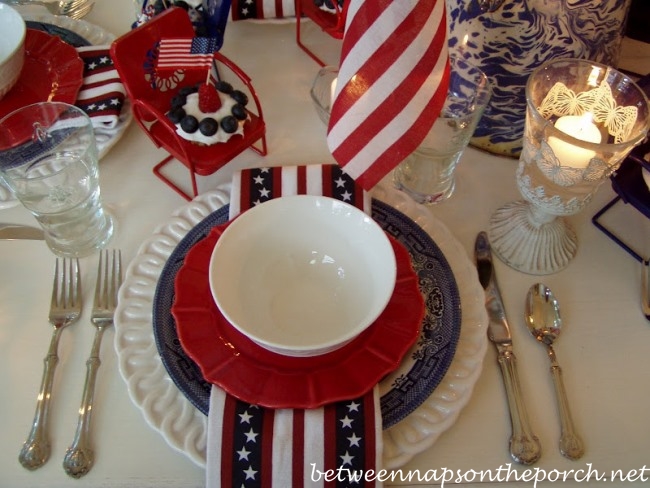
[(75, 9), (65, 309), (79, 457), (645, 288)]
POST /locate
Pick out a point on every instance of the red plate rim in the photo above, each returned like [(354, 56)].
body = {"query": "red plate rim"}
[(46, 57), (256, 375)]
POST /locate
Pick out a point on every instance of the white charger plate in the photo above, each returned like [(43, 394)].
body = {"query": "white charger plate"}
[(96, 36), (184, 427)]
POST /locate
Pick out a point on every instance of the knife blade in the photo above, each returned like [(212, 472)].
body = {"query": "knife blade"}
[(15, 231), (524, 446)]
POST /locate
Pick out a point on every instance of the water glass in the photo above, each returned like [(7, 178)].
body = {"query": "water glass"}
[(48, 158), (427, 174)]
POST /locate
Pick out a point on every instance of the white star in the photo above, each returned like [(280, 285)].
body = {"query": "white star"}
[(347, 459), (245, 417), (92, 106), (259, 180), (250, 473), (346, 422), (265, 193), (256, 202), (102, 106), (250, 436), (340, 182), (243, 453), (104, 60), (244, 12), (115, 101), (354, 440), (347, 196), (264, 170), (353, 407), (92, 65)]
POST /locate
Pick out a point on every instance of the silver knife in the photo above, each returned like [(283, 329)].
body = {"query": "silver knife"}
[(15, 231), (524, 445)]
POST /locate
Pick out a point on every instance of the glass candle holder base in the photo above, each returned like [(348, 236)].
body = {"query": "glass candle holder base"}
[(530, 241)]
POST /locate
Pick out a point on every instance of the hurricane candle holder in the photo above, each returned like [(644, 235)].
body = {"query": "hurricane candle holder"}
[(582, 119)]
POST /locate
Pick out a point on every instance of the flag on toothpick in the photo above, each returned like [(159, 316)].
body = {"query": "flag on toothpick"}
[(196, 52), (391, 85)]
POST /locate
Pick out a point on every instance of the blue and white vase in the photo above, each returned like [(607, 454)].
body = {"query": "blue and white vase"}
[(508, 39)]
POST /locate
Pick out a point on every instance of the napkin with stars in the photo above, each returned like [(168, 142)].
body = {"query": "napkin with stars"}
[(248, 445), (102, 93)]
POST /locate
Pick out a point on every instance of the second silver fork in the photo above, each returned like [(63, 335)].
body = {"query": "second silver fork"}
[(80, 456)]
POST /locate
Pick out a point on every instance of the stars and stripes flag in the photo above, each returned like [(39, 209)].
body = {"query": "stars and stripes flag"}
[(253, 446), (253, 186), (391, 85), (262, 9), (186, 53), (102, 93)]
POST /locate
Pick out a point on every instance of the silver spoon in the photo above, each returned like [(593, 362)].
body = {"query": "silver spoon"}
[(544, 322)]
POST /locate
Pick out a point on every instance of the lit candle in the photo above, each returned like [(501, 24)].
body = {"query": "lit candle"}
[(578, 126)]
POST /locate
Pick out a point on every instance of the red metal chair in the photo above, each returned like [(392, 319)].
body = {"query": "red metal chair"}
[(331, 23), (150, 94)]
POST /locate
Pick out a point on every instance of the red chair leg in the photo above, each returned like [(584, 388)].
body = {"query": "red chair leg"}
[(170, 183), (300, 44)]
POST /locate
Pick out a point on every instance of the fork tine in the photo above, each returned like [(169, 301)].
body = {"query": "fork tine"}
[(55, 286), (102, 276), (117, 277)]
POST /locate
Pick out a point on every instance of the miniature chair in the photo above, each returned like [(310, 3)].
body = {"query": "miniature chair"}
[(630, 187), (331, 23), (134, 56)]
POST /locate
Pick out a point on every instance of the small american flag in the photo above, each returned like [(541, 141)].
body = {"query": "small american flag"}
[(391, 86), (196, 52)]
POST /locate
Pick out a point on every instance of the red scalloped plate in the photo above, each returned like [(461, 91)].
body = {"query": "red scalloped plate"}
[(256, 375), (53, 71)]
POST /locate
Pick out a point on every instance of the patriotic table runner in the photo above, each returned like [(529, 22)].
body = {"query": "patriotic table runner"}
[(251, 446), (102, 93), (391, 85)]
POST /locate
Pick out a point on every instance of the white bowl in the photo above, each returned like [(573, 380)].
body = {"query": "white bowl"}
[(12, 47), (302, 275)]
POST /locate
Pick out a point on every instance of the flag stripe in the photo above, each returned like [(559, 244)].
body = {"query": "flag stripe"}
[(298, 460)]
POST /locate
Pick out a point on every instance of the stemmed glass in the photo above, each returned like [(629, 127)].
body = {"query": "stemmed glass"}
[(582, 119)]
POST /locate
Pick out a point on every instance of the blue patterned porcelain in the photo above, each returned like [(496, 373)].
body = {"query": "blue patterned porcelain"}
[(517, 37)]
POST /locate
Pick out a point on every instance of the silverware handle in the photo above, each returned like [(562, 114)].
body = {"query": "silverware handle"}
[(36, 449), (524, 445), (79, 457), (571, 445)]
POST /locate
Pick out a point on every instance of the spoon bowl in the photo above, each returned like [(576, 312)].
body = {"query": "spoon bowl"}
[(543, 314), (544, 322)]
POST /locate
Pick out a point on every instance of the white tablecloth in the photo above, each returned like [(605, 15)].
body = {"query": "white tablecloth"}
[(604, 349)]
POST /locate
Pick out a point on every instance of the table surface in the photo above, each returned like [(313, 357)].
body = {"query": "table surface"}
[(603, 349)]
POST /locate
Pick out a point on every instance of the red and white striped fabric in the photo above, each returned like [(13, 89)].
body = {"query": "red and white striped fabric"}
[(262, 9), (102, 93), (391, 86)]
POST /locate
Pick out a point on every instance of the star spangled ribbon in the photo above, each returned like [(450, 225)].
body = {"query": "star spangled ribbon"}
[(262, 9), (254, 446), (179, 53), (391, 85), (102, 93)]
